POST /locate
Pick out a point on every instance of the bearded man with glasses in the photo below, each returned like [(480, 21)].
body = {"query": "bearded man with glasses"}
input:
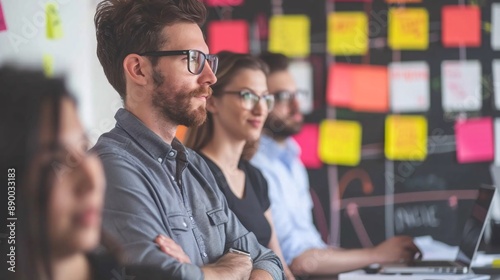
[(159, 192)]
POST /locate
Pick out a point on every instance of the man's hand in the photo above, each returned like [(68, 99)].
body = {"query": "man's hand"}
[(396, 249), (169, 247), (229, 266)]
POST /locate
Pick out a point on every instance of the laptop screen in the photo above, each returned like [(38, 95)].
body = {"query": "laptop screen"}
[(474, 226)]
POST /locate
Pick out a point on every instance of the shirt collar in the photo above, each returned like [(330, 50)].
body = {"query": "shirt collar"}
[(147, 139), (285, 152)]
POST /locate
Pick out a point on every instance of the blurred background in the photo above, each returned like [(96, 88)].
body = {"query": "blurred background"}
[(402, 111)]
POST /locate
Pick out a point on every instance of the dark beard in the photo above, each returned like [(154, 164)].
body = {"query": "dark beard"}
[(279, 129), (176, 107)]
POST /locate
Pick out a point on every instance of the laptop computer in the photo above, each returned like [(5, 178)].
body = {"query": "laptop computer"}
[(471, 237)]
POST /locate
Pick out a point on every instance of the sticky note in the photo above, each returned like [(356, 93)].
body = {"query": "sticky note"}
[(474, 139), (228, 35), (340, 142), (461, 26), (347, 33), (409, 86), (358, 87), (495, 26), (339, 84), (3, 22), (408, 29), (302, 73), (223, 3), (48, 65), (461, 85), (290, 35), (180, 133), (496, 82), (497, 141), (307, 139), (405, 137), (53, 22)]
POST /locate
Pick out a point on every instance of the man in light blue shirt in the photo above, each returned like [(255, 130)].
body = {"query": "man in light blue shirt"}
[(278, 158)]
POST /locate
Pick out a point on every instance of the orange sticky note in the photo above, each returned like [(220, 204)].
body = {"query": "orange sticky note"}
[(461, 26), (347, 33), (405, 138), (340, 142), (228, 35), (181, 132), (308, 142), (3, 23), (290, 35), (223, 3), (408, 29), (474, 138), (358, 87)]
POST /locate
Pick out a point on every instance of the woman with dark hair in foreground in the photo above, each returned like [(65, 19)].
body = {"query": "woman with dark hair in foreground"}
[(58, 185)]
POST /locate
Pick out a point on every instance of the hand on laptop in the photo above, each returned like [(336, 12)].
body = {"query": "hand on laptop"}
[(397, 249)]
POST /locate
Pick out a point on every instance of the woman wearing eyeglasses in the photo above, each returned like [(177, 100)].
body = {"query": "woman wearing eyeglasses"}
[(236, 114)]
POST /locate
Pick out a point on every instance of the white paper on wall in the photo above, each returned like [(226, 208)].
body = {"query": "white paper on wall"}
[(496, 134), (496, 82), (495, 26), (461, 85), (303, 75), (409, 86)]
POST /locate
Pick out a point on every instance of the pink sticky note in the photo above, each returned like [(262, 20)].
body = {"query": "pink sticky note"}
[(308, 142), (223, 3), (461, 26), (474, 138), (3, 24), (228, 35)]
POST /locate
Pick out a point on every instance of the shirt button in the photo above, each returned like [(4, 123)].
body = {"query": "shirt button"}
[(204, 254), (160, 160), (171, 153), (191, 218), (184, 224)]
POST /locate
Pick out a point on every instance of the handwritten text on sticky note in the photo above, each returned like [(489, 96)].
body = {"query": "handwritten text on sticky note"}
[(347, 33), (340, 142), (290, 35)]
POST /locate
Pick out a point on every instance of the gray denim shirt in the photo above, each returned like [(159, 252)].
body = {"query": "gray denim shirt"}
[(155, 188)]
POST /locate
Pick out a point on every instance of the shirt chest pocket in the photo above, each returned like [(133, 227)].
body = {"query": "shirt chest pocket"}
[(218, 219), (179, 223)]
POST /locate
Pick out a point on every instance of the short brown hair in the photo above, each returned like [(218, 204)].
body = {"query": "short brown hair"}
[(275, 61), (134, 26), (230, 65)]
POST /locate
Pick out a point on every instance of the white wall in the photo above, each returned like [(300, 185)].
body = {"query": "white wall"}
[(24, 43)]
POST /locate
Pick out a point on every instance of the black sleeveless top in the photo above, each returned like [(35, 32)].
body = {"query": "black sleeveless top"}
[(249, 209)]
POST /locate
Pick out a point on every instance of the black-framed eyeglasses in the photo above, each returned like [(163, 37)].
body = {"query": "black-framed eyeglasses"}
[(250, 99), (285, 96), (196, 59)]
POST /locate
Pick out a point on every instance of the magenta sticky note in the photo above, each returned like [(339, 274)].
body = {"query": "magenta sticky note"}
[(223, 3), (228, 35), (3, 23), (308, 142), (474, 139)]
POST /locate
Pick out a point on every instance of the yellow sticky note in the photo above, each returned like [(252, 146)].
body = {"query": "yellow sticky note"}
[(347, 33), (290, 35), (408, 29), (340, 142), (48, 65), (53, 22), (406, 138)]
